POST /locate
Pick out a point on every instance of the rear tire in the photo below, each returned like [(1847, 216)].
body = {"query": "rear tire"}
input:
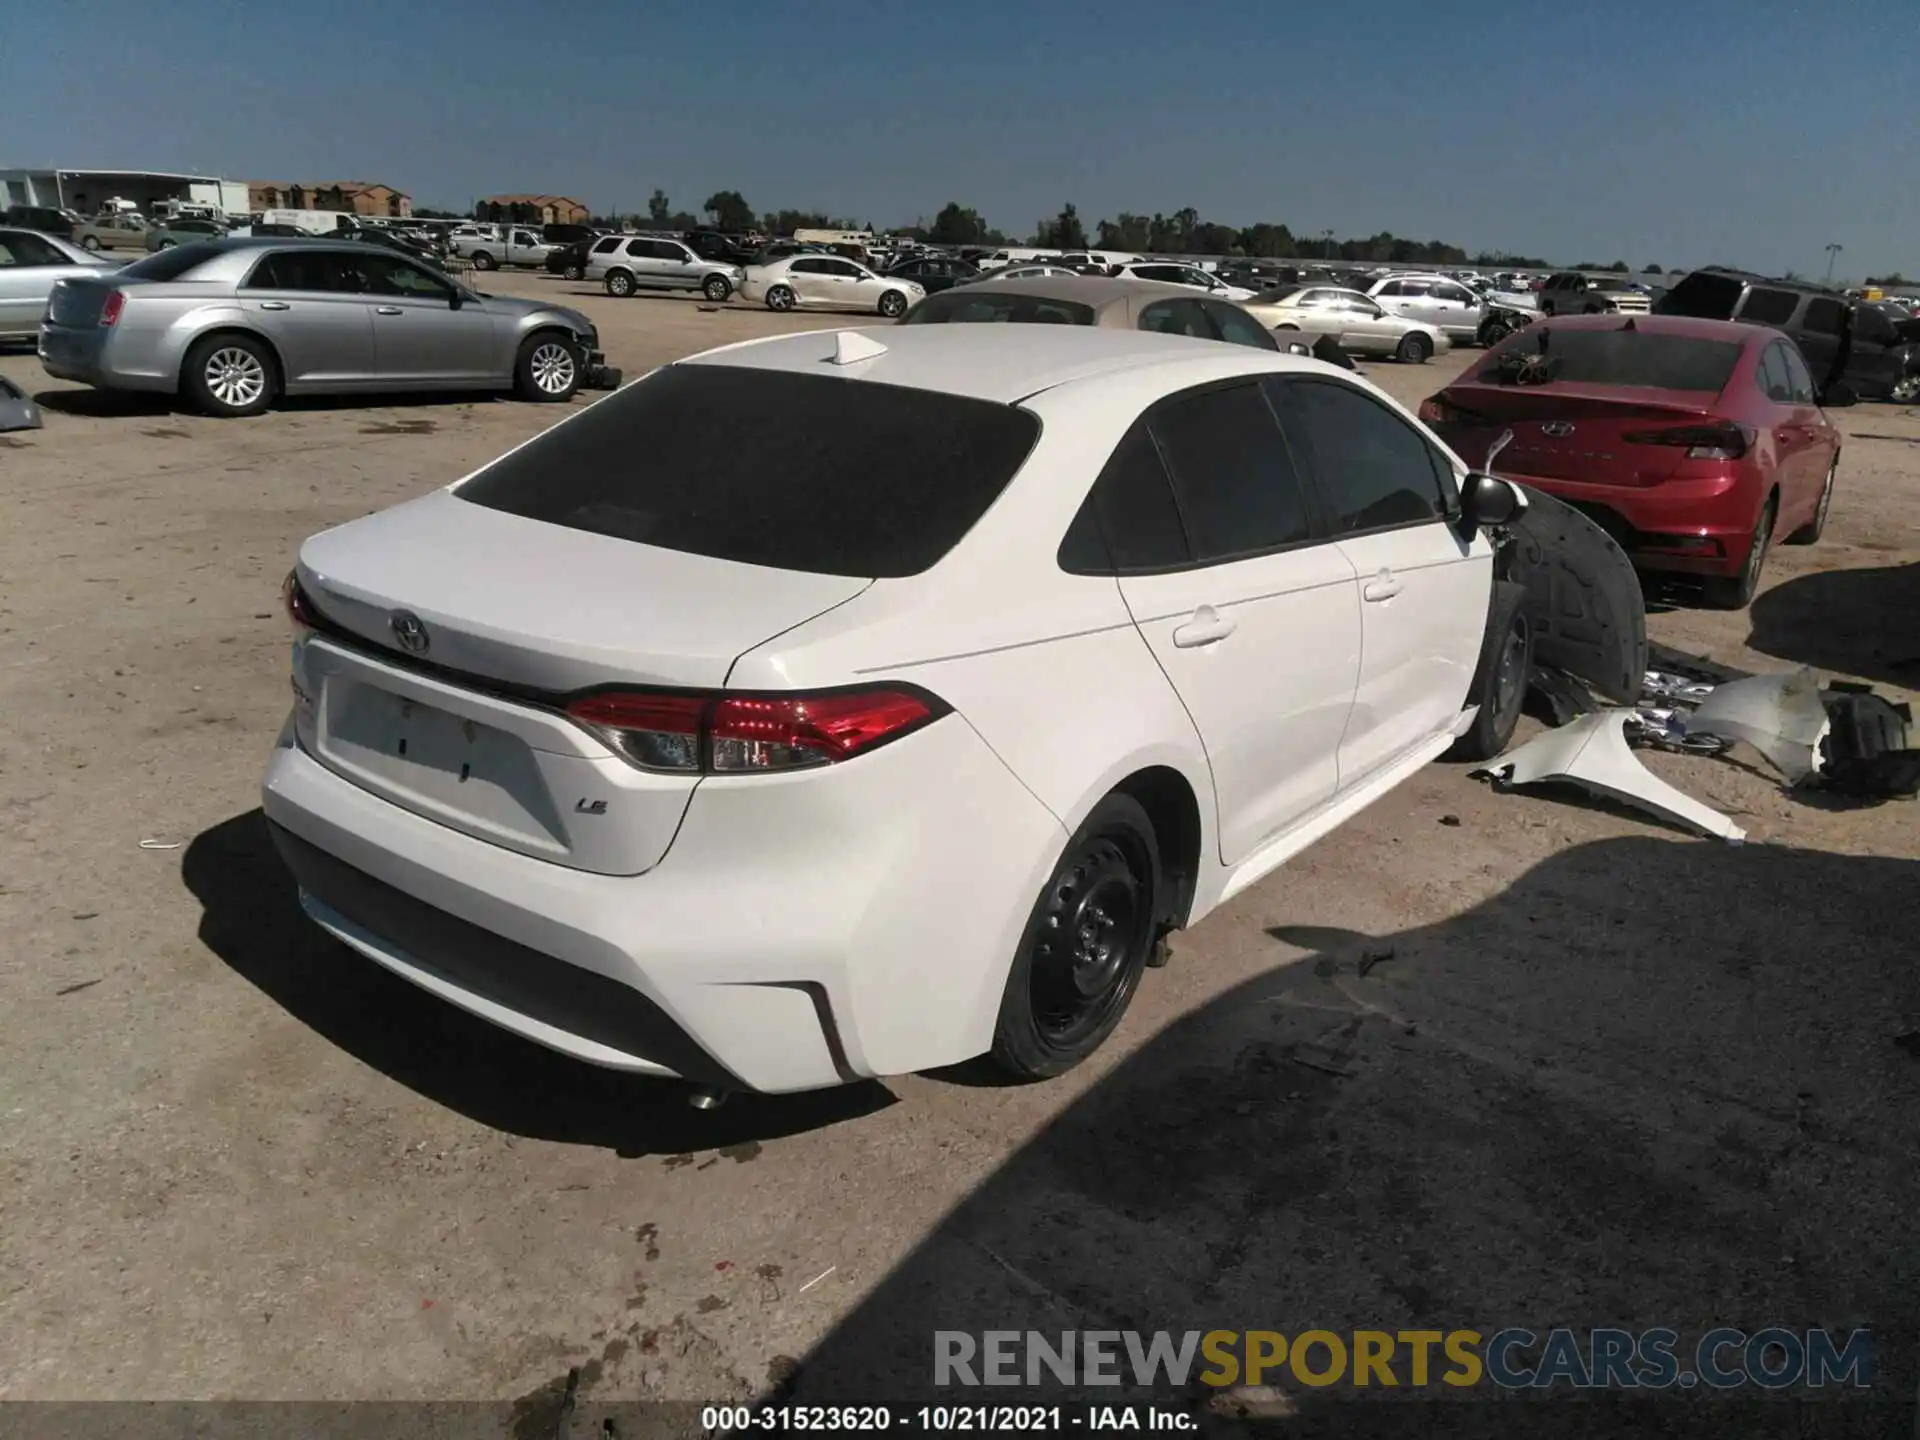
[(230, 376), (1415, 349), (780, 298), (481, 260), (574, 272), (547, 370), (90, 243), (1089, 937), (1736, 592), (619, 284), (1500, 682), (1546, 307), (1810, 533)]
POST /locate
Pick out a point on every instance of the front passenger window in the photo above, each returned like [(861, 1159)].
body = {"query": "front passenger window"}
[(1374, 470)]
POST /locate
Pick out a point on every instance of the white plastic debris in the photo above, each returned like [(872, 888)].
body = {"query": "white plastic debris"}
[(1593, 752), (1781, 716)]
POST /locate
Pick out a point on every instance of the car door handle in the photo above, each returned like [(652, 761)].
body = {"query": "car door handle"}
[(1381, 587), (1205, 627), (387, 310), (275, 305)]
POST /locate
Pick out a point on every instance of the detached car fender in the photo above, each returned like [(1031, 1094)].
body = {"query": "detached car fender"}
[(1584, 602)]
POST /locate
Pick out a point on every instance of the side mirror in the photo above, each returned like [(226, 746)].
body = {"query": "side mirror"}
[(1838, 396), (1488, 500)]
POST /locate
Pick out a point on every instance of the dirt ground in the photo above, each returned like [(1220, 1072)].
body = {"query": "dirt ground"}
[(1610, 1074)]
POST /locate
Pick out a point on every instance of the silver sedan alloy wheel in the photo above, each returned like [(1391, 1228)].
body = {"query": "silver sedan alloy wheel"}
[(552, 366), (235, 377)]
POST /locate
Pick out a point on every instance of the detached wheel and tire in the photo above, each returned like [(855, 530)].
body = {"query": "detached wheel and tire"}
[(1811, 532), (780, 298), (1415, 349), (1500, 682), (619, 284), (1084, 946), (230, 376), (893, 304), (547, 370), (717, 288), (1735, 592)]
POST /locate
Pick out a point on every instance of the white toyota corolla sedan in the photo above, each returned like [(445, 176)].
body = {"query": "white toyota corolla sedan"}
[(844, 704)]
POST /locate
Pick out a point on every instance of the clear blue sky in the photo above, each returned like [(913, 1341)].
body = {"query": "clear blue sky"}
[(1683, 133)]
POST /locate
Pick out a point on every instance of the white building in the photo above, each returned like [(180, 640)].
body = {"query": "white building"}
[(87, 191)]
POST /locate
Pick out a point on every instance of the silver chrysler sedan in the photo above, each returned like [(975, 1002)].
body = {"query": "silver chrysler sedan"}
[(233, 324)]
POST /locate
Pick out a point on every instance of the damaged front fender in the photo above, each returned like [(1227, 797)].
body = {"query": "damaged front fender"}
[(1584, 602)]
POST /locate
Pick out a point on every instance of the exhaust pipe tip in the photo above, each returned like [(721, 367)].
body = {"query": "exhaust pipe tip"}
[(705, 1097)]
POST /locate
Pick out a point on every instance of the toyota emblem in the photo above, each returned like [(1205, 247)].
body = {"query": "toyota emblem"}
[(410, 632)]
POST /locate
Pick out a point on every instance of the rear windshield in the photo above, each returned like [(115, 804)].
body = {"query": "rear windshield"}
[(970, 306), (1548, 354), (793, 471), (1702, 296), (168, 264)]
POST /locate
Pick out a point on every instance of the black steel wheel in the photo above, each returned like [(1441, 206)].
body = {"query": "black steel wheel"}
[(1086, 943)]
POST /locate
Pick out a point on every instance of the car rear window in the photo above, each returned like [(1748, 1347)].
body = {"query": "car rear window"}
[(169, 264), (969, 306), (1702, 296), (1613, 357), (793, 471)]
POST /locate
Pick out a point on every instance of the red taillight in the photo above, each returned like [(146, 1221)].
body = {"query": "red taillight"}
[(299, 609), (1435, 411), (739, 734), (1722, 440), (116, 302)]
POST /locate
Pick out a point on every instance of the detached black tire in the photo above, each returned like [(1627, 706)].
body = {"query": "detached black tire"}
[(1415, 349), (548, 369), (1736, 592), (1500, 680), (1085, 945), (1811, 532), (230, 375)]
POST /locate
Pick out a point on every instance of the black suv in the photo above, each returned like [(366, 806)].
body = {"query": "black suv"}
[(1841, 340), (717, 245), (44, 218)]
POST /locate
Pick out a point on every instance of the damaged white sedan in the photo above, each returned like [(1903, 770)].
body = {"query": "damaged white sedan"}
[(841, 705)]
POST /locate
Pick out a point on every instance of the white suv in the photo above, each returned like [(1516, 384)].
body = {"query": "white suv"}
[(842, 704), (626, 263)]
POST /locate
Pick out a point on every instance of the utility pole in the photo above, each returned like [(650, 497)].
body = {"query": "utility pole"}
[(1328, 236), (1832, 250)]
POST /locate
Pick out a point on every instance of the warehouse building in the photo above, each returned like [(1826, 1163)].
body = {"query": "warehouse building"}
[(87, 192)]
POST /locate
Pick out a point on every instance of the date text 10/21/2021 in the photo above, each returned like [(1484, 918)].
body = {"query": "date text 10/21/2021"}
[(949, 1419)]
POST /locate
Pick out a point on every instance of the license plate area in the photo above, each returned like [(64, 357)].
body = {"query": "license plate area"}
[(461, 771)]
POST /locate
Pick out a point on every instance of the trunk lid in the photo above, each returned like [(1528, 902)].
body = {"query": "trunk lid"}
[(1571, 432), (78, 302), (505, 615)]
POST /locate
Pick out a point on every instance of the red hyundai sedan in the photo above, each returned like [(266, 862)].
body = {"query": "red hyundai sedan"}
[(1693, 442)]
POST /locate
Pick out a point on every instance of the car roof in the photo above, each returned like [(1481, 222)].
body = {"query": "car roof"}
[(1684, 325), (1749, 277), (1004, 363), (1099, 291)]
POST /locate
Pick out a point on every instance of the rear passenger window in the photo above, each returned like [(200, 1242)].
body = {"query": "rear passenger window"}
[(1772, 376), (1237, 327), (1373, 469), (1769, 307), (607, 246), (1824, 317), (1232, 473), (1178, 317), (1799, 378), (1129, 522)]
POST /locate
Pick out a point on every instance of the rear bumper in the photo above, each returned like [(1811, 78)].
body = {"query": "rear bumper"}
[(796, 935), (77, 353), (1694, 525)]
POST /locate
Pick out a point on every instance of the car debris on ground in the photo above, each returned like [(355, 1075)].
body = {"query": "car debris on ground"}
[(17, 408)]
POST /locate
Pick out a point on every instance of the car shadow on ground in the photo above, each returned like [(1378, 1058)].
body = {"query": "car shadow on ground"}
[(107, 404), (1650, 1083), (1863, 623), (253, 921)]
